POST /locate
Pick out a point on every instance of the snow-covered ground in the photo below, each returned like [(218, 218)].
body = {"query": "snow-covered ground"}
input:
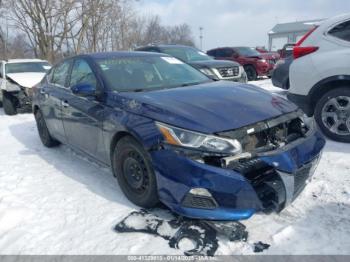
[(54, 201)]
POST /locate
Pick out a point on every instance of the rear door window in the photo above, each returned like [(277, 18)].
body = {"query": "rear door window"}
[(341, 31)]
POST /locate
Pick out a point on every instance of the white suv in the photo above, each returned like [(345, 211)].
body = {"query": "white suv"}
[(17, 77), (320, 76)]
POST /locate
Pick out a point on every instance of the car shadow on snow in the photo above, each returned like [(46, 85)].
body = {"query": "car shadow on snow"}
[(337, 147), (320, 229), (96, 178)]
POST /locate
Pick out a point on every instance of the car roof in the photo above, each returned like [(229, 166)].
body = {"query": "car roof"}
[(103, 55), (232, 47), (167, 45), (24, 61)]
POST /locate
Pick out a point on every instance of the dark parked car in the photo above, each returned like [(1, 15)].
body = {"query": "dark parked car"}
[(207, 149), (255, 64), (280, 74), (221, 70)]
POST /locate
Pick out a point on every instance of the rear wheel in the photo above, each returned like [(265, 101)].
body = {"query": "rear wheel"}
[(133, 168), (332, 114), (44, 133), (251, 72), (9, 104)]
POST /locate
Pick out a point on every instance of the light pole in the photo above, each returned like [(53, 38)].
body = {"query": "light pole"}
[(201, 36)]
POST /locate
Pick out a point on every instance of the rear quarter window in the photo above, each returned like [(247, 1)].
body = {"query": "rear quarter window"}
[(341, 31)]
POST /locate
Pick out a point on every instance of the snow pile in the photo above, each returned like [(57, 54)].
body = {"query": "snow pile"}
[(54, 201)]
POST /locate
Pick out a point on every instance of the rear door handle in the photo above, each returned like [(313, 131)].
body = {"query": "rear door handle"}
[(65, 104)]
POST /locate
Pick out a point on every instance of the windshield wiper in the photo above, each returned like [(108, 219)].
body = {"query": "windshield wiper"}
[(192, 84)]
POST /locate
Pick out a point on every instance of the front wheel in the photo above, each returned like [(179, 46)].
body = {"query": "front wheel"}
[(44, 133), (9, 105), (133, 169), (251, 72), (332, 114)]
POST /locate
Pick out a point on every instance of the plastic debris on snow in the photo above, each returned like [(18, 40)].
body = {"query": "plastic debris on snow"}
[(193, 237)]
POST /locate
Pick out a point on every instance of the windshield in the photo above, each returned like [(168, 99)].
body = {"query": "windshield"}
[(127, 74), (186, 54), (32, 67), (247, 51)]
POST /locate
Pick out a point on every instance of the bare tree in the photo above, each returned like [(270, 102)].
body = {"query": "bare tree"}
[(46, 23), (154, 32), (56, 28)]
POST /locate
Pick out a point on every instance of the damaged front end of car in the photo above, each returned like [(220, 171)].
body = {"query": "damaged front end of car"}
[(21, 96), (233, 174)]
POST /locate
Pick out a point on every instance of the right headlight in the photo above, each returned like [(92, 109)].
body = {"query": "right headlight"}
[(207, 71), (210, 143)]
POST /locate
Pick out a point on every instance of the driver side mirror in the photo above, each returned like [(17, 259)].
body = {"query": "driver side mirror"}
[(84, 89)]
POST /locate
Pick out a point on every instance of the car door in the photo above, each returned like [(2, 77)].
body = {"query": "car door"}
[(83, 116), (52, 93)]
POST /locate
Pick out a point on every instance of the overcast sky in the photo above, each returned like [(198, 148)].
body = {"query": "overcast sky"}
[(239, 22)]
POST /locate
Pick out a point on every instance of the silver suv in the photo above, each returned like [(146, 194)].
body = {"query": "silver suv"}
[(221, 70), (320, 76)]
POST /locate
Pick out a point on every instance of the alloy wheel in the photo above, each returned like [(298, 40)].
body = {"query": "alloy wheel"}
[(336, 115)]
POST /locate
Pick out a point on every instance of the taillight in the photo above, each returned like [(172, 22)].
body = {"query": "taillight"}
[(299, 51)]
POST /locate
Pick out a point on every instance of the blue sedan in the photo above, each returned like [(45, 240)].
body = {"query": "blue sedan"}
[(206, 149)]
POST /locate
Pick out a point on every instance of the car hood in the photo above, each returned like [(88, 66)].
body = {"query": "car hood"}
[(208, 108), (213, 64), (26, 79)]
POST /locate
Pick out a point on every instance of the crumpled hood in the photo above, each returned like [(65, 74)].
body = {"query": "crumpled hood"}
[(208, 108), (26, 79)]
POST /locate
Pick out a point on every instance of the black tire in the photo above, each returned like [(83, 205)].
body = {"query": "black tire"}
[(251, 72), (43, 131), (324, 114), (133, 168), (9, 105)]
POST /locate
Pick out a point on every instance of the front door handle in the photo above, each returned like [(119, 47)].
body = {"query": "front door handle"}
[(65, 104)]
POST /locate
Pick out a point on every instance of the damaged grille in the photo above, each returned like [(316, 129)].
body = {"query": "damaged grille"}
[(229, 71), (269, 135), (266, 182)]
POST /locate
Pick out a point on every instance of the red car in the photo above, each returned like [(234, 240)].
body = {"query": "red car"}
[(255, 63)]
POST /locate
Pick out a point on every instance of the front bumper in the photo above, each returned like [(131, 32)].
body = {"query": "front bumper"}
[(268, 183)]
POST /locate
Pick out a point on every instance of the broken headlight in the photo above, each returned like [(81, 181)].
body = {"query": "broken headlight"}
[(185, 138)]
